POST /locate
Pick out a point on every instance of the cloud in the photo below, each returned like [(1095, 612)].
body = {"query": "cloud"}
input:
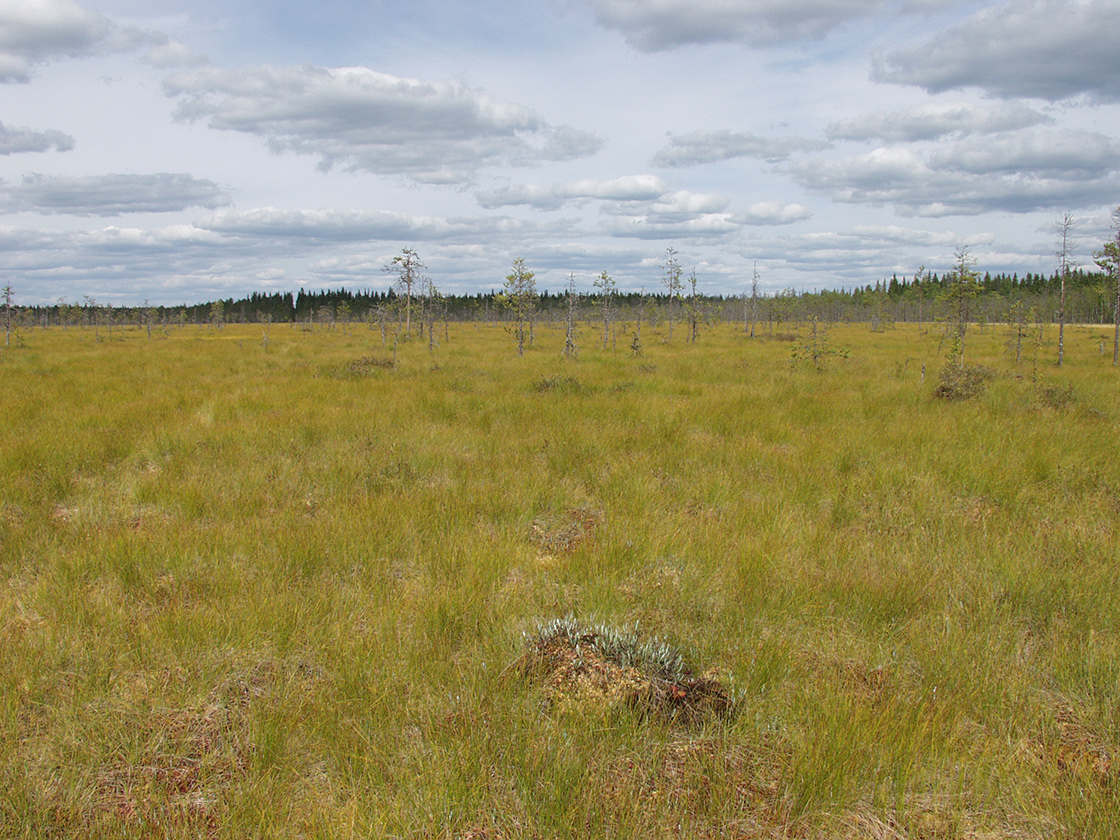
[(627, 188), (230, 249), (439, 132), (36, 31), (1046, 49), (295, 232), (165, 53), (110, 195), (713, 146), (14, 140), (934, 120), (653, 25), (776, 213), (1072, 155), (681, 214), (861, 254), (1039, 169), (342, 225)]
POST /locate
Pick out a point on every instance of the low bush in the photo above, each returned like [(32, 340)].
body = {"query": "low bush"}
[(962, 382)]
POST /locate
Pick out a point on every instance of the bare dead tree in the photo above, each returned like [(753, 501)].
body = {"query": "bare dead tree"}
[(671, 281)]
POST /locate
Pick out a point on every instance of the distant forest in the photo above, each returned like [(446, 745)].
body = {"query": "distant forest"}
[(1090, 298)]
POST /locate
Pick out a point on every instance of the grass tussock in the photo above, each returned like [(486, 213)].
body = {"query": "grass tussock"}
[(565, 533), (368, 365), (557, 383), (604, 666)]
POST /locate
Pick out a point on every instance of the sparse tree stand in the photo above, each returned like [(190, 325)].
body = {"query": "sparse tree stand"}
[(1108, 258), (520, 295), (1017, 318), (432, 305), (693, 309), (920, 279), (1064, 228), (754, 299), (8, 315), (636, 342), (671, 281), (149, 317), (408, 267)]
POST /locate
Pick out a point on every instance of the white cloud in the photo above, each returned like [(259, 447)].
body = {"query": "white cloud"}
[(1048, 49), (110, 195), (713, 146), (934, 120), (36, 31), (651, 25), (626, 188), (439, 132), (14, 140)]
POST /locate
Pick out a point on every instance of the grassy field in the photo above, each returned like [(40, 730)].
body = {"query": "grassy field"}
[(292, 589)]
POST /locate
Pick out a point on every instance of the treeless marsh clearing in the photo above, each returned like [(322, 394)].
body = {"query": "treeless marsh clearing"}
[(276, 590)]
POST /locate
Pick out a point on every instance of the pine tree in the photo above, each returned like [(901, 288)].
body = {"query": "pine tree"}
[(520, 295)]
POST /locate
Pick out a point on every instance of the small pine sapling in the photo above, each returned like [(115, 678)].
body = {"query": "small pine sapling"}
[(571, 351), (816, 347), (606, 286)]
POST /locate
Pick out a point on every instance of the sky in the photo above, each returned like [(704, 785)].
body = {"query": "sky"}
[(182, 151)]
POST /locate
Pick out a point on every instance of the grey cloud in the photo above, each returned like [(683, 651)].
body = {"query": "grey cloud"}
[(775, 213), (440, 132), (966, 179), (1048, 49), (667, 24), (231, 249), (566, 143), (682, 214), (627, 188), (713, 146), (166, 53), (862, 254), (934, 120), (14, 140), (1072, 155), (350, 225), (111, 195), (115, 262), (35, 31)]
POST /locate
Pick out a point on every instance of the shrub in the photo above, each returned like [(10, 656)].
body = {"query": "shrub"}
[(962, 382)]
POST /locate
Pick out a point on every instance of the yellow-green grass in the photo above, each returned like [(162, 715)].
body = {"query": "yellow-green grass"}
[(280, 588)]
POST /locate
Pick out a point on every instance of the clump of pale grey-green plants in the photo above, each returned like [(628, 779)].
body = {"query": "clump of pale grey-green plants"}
[(589, 664)]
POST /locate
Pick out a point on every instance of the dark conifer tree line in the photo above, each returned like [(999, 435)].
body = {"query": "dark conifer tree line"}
[(1090, 299)]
